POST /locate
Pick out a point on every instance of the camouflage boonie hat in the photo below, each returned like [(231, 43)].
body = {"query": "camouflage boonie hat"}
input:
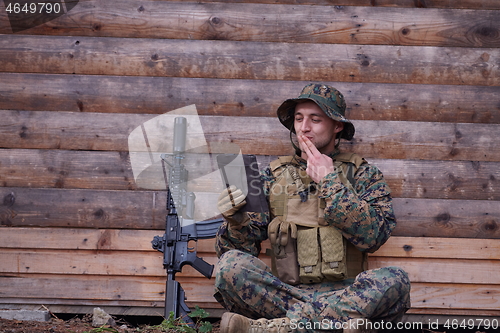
[(329, 99)]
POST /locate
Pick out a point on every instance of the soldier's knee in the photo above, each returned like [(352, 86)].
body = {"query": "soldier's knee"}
[(391, 272), (229, 266), (397, 279), (398, 274), (391, 277), (231, 259)]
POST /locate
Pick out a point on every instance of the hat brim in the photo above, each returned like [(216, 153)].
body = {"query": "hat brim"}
[(286, 117)]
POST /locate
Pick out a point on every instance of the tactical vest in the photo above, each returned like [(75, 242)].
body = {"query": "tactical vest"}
[(304, 249)]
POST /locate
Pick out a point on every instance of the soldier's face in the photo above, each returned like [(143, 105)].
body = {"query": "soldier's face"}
[(313, 123)]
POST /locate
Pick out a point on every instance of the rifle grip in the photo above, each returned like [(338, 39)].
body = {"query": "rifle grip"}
[(203, 267)]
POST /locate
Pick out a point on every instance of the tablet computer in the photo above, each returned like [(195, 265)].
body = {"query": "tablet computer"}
[(242, 171)]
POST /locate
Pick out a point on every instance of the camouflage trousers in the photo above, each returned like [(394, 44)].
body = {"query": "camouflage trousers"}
[(245, 285)]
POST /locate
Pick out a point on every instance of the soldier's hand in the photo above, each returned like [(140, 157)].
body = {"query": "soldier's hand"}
[(230, 201), (318, 165)]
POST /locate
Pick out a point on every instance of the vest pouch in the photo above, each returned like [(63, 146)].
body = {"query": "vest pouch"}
[(283, 238), (307, 214), (333, 254), (308, 251)]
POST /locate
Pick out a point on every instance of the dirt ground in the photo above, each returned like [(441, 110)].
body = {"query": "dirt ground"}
[(82, 325)]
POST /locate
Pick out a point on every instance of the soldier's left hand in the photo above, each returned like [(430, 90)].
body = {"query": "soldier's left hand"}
[(318, 165)]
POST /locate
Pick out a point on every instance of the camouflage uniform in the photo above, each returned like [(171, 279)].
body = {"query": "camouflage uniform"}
[(246, 285)]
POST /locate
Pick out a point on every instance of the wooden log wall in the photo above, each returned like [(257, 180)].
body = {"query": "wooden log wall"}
[(422, 84)]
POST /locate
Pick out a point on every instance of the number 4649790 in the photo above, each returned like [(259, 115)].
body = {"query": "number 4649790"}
[(471, 323), (33, 7)]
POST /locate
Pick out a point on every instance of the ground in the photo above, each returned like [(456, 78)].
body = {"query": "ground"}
[(82, 325)]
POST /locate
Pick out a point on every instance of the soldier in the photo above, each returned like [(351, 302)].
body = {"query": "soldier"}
[(327, 210)]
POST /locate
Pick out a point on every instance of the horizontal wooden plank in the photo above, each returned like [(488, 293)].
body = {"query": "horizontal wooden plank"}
[(250, 98), (443, 270), (473, 4), (77, 239), (434, 247), (454, 296), (103, 209), (78, 303), (146, 210), (104, 170), (444, 314), (140, 240), (430, 179), (448, 218), (66, 169), (275, 23), (134, 291), (86, 239), (85, 262), (149, 263), (249, 60), (452, 141), (108, 170), (72, 208), (373, 139), (26, 207), (80, 289), (68, 130), (81, 307), (87, 307)]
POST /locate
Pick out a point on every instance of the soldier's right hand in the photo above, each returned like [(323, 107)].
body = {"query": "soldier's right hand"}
[(230, 201)]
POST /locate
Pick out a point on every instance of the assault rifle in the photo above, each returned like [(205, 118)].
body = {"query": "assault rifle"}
[(180, 227)]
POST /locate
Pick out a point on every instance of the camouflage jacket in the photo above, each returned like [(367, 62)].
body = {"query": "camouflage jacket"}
[(366, 219)]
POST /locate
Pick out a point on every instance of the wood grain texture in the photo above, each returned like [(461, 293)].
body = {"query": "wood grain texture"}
[(136, 210), (74, 209), (140, 240), (373, 139), (250, 60), (250, 98), (424, 314), (141, 289), (448, 141), (276, 23), (101, 209), (463, 180), (109, 170), (68, 130), (125, 291), (435, 247), (83, 262), (148, 291), (83, 289), (86, 239), (65, 169), (443, 270), (473, 4), (455, 296), (453, 218)]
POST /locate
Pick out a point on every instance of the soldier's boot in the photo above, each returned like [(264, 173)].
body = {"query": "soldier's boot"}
[(359, 325), (235, 323)]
